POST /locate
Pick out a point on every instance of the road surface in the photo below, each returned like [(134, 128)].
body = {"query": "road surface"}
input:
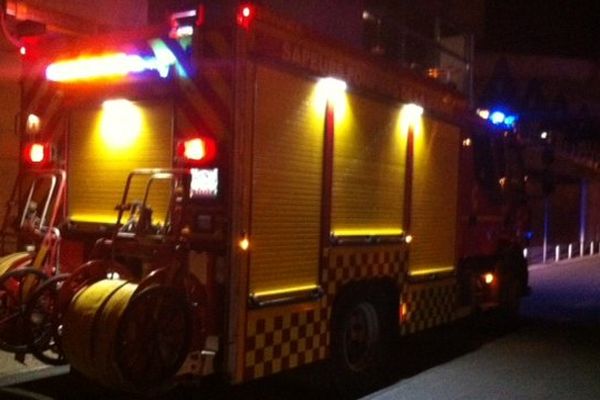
[(555, 354)]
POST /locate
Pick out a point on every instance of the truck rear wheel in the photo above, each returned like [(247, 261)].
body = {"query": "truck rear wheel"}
[(361, 336), (510, 298)]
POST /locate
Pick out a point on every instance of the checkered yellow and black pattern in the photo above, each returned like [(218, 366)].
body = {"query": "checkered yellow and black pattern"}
[(428, 304), (293, 336), (283, 337)]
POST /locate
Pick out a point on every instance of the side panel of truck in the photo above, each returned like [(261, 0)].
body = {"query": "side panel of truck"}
[(430, 297), (286, 213), (286, 184), (368, 168)]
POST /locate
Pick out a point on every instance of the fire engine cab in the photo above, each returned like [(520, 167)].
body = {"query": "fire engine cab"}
[(280, 200)]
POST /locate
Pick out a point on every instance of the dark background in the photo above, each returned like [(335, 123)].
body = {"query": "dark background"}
[(562, 28)]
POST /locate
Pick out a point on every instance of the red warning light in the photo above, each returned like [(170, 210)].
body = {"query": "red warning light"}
[(37, 153), (197, 150), (200, 15), (245, 15)]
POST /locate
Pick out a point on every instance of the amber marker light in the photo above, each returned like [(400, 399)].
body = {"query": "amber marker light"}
[(488, 278), (403, 312), (244, 243), (33, 124)]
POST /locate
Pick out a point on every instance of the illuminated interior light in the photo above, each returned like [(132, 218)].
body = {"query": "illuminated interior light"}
[(292, 289), (33, 124), (431, 271), (411, 119), (120, 124), (99, 218), (367, 232), (497, 117), (333, 86), (244, 243), (331, 91), (466, 142), (414, 110), (36, 153), (245, 15), (544, 135), (483, 113), (408, 239), (488, 278)]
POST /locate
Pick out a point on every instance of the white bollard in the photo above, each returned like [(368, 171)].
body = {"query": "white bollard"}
[(591, 248), (581, 249), (525, 252), (557, 253), (570, 251)]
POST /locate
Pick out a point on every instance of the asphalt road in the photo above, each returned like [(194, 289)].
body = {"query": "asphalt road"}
[(553, 353)]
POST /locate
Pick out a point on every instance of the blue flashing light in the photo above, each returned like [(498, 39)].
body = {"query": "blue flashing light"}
[(497, 117), (510, 120), (529, 235)]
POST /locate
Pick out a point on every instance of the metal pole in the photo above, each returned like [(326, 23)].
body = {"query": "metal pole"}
[(583, 215), (545, 246)]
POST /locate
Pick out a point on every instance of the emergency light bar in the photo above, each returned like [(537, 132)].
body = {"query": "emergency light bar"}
[(498, 117), (113, 65)]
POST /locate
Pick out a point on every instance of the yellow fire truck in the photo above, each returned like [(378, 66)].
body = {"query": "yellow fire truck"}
[(314, 201)]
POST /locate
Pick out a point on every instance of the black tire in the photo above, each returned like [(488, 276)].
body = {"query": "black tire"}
[(16, 287), (513, 283), (362, 335), (510, 301), (44, 315)]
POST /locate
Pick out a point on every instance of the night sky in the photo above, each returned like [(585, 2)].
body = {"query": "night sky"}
[(569, 28)]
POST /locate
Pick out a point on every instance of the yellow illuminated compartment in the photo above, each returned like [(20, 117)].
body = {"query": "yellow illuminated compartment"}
[(368, 170), (434, 198), (286, 186), (105, 144)]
